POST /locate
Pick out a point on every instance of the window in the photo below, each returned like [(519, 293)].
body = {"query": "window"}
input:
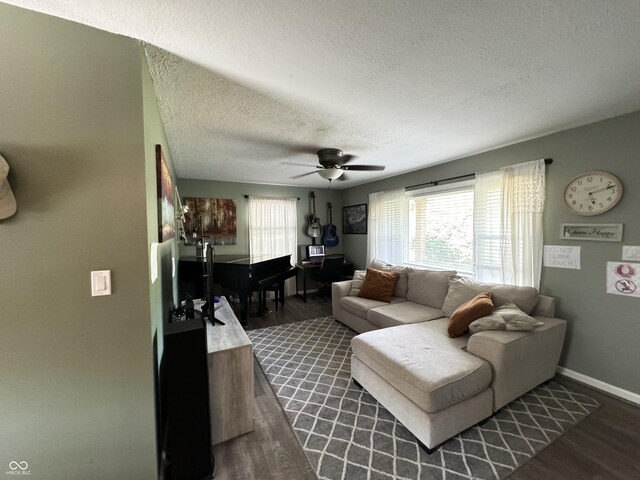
[(489, 229), (441, 228), (386, 239), (273, 225)]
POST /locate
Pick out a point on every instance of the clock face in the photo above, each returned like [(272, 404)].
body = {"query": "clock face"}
[(593, 193)]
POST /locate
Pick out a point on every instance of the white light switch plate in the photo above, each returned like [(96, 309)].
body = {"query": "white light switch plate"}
[(100, 283), (630, 253)]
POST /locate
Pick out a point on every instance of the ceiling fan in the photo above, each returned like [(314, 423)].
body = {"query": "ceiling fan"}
[(333, 164)]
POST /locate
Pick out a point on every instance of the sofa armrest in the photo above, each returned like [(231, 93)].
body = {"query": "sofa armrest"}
[(341, 289), (520, 361)]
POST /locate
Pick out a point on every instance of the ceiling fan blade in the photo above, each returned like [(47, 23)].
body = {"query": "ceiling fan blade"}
[(303, 174), (343, 177), (346, 159), (363, 167)]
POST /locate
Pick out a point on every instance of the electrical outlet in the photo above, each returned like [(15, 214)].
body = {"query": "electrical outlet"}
[(630, 253)]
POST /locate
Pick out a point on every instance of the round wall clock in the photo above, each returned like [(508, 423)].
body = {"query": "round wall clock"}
[(593, 193)]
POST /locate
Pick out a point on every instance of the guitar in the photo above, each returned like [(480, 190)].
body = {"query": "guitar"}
[(313, 228), (330, 232)]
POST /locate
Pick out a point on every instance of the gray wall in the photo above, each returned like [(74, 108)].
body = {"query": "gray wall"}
[(603, 328), (236, 191), (77, 385), (161, 301)]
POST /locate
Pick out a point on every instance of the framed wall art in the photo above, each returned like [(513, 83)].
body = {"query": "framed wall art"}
[(211, 217), (354, 219), (166, 206)]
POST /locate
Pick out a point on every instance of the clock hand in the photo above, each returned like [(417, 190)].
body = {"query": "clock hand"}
[(591, 199), (602, 189)]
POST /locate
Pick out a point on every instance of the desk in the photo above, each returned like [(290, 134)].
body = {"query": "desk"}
[(230, 358), (347, 270)]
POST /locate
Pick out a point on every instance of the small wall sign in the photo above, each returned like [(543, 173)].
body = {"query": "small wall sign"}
[(558, 256), (596, 232), (623, 278)]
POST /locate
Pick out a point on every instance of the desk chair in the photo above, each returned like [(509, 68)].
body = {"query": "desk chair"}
[(330, 271)]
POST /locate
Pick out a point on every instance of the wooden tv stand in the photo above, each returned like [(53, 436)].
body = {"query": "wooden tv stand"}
[(230, 357)]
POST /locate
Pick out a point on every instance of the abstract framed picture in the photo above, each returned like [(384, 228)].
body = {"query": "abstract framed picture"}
[(211, 217), (166, 206), (354, 219)]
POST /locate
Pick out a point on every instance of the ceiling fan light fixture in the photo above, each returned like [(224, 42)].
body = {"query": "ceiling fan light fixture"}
[(330, 173)]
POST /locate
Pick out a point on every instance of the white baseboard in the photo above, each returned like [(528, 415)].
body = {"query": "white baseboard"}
[(600, 385)]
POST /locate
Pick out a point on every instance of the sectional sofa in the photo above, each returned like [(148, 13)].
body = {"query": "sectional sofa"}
[(438, 386)]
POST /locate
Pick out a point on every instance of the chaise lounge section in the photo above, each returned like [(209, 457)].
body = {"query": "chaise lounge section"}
[(438, 386)]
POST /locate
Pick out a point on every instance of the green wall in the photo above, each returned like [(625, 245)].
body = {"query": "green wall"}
[(236, 191), (603, 328), (167, 251), (77, 385)]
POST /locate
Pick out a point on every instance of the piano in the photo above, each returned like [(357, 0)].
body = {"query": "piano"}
[(239, 273)]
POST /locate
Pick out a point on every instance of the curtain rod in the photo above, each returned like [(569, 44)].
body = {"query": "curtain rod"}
[(297, 198), (547, 161)]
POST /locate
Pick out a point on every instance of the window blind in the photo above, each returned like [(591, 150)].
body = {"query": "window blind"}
[(441, 229)]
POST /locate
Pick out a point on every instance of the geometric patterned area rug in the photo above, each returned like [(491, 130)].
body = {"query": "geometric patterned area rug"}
[(347, 434)]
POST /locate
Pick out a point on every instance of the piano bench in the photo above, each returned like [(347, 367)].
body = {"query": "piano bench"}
[(274, 283)]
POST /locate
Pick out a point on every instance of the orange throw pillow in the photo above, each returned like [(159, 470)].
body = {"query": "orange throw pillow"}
[(378, 285), (478, 307)]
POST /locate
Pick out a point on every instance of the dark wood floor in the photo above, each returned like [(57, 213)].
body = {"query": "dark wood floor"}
[(606, 445)]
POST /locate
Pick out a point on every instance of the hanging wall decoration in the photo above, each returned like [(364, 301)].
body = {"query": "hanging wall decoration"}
[(354, 219), (166, 209), (211, 217)]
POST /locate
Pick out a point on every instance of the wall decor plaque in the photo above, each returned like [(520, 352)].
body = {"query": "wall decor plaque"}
[(596, 232)]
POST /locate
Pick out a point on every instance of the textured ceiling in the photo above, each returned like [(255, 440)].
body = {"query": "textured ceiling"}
[(249, 89)]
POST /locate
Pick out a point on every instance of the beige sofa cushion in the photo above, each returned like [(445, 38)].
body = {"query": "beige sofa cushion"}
[(401, 314), (401, 287), (430, 370), (428, 287), (462, 290), (360, 306)]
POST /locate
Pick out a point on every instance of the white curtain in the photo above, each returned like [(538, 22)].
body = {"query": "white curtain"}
[(508, 224), (273, 225), (387, 227)]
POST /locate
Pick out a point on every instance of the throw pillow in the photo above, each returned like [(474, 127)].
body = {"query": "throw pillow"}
[(478, 307), (490, 322), (356, 283), (463, 289), (378, 285), (516, 319), (402, 285), (506, 317)]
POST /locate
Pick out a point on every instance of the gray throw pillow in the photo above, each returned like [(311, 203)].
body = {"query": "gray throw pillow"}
[(356, 283), (506, 317), (490, 322), (515, 318)]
